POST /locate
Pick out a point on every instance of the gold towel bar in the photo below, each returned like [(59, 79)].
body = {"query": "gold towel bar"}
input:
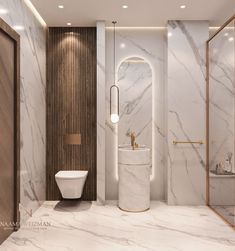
[(188, 142)]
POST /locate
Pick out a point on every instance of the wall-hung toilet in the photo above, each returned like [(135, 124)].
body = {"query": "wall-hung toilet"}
[(71, 183)]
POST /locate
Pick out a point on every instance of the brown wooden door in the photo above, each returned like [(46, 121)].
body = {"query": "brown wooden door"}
[(7, 133)]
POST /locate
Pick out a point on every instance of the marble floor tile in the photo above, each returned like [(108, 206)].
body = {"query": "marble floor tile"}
[(228, 212), (87, 226)]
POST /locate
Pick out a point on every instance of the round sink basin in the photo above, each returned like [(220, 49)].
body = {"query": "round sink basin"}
[(128, 156)]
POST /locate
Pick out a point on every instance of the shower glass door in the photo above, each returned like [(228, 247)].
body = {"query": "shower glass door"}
[(220, 126)]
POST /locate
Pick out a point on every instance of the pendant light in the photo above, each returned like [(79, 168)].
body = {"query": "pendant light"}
[(114, 90)]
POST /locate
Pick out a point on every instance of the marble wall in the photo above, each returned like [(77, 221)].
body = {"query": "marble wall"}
[(186, 112), (221, 120), (135, 84), (101, 113), (222, 96), (148, 44), (186, 76), (33, 105)]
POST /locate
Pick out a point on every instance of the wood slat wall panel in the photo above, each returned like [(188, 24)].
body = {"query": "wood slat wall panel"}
[(71, 105)]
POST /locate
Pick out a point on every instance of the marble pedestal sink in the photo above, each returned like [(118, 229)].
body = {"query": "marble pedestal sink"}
[(134, 178)]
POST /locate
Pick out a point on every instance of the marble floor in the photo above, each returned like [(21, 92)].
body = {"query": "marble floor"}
[(60, 226), (228, 212)]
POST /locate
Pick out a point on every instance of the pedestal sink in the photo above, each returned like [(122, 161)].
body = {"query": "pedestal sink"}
[(134, 178)]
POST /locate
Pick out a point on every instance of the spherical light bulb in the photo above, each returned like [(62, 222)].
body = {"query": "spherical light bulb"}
[(114, 118)]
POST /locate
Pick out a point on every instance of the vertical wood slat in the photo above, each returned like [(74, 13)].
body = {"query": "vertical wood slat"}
[(71, 105)]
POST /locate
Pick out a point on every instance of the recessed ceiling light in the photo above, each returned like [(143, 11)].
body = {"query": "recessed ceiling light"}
[(226, 34), (169, 34), (69, 24), (230, 39), (124, 6), (3, 11), (183, 6), (61, 6), (122, 45), (18, 27)]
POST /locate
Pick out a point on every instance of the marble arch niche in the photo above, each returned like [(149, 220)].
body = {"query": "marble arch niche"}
[(135, 86)]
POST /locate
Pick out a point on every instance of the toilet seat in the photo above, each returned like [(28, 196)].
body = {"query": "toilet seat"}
[(71, 174)]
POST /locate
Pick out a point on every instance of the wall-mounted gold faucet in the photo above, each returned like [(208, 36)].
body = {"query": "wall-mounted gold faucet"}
[(132, 135)]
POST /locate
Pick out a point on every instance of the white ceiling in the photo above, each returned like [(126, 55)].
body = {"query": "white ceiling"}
[(140, 13)]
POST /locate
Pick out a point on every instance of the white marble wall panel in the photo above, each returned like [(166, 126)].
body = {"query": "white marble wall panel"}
[(101, 112), (222, 97), (222, 190), (135, 84), (148, 44), (186, 111), (221, 119), (33, 105)]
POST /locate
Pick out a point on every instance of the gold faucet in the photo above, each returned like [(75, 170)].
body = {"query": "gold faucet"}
[(134, 145)]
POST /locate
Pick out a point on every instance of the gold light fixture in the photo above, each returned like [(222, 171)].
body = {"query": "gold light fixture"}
[(114, 90)]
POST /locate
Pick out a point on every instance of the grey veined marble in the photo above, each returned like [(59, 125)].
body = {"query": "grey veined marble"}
[(135, 84), (134, 179), (186, 112), (142, 101), (89, 227), (101, 113)]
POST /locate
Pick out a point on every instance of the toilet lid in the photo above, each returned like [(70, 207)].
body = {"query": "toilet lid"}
[(71, 174)]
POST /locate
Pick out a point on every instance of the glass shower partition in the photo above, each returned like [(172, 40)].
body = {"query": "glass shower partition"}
[(220, 121)]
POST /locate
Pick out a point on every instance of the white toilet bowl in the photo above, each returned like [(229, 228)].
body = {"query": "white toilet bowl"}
[(71, 183)]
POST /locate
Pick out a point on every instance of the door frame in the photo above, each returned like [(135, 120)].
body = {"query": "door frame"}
[(6, 29)]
